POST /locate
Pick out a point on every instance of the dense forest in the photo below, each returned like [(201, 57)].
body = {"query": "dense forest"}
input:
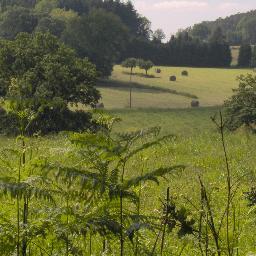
[(239, 28), (108, 32)]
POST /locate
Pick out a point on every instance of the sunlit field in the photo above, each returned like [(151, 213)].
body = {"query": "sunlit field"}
[(211, 86)]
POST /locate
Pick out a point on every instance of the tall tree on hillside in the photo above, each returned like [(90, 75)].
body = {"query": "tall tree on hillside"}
[(101, 36), (15, 20), (158, 36), (217, 36), (245, 55), (200, 31)]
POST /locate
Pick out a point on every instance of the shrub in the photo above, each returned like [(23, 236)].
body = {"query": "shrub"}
[(241, 107), (184, 73), (173, 78), (195, 103), (48, 120)]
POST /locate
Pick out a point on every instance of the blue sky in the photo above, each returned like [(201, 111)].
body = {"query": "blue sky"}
[(171, 15)]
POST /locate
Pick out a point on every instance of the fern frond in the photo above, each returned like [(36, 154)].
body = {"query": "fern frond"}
[(152, 176), (149, 145), (15, 190)]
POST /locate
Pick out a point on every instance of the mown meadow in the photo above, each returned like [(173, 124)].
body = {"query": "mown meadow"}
[(211, 87)]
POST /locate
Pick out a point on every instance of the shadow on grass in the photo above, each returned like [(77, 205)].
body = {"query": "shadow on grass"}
[(121, 85), (141, 75)]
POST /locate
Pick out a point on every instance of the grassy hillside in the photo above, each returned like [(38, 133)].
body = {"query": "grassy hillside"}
[(211, 86)]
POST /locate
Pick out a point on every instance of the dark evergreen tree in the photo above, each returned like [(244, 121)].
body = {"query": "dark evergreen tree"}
[(245, 55)]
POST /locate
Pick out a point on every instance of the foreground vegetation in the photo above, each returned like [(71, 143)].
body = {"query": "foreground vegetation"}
[(197, 146)]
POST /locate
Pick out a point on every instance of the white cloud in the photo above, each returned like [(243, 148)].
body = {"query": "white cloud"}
[(229, 6), (170, 5), (180, 4)]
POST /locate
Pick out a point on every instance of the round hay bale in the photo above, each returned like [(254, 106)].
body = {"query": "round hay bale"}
[(158, 70), (99, 106), (173, 78), (195, 104), (184, 73)]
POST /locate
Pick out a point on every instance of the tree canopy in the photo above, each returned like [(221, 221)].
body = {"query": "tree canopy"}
[(37, 71), (241, 107), (110, 31)]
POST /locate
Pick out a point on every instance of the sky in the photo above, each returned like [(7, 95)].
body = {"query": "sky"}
[(171, 15)]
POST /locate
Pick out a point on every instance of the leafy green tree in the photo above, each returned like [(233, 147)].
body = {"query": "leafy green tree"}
[(145, 64), (200, 31), (241, 107), (245, 55), (144, 29), (16, 20), (130, 63), (79, 6), (46, 6), (51, 25), (100, 36), (63, 15), (247, 28), (46, 79), (217, 36), (158, 36)]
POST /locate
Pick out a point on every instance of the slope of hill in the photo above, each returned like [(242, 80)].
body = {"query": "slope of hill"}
[(238, 28)]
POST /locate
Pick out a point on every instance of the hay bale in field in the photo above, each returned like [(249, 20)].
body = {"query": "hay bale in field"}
[(99, 106), (184, 73), (173, 78), (195, 104), (158, 70)]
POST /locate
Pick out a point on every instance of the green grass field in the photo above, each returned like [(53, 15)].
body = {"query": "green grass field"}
[(211, 86), (197, 146)]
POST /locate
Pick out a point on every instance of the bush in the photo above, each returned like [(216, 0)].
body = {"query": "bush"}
[(48, 120), (241, 107), (195, 103), (173, 78), (184, 73)]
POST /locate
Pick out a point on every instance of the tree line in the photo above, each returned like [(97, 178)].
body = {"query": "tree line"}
[(183, 50), (238, 29), (108, 32)]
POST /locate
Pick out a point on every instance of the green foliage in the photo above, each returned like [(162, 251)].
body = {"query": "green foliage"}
[(130, 63), (103, 36), (86, 194), (16, 20), (245, 56), (50, 25), (145, 64), (241, 108), (45, 80), (238, 28)]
